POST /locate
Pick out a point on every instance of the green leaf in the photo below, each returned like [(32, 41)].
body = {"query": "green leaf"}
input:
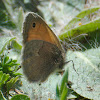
[(9, 61), (9, 9), (81, 15), (3, 78), (87, 65), (64, 92), (5, 59), (64, 81), (20, 19), (86, 28), (4, 41), (1, 96), (17, 74), (15, 45), (57, 93), (20, 97), (5, 21), (9, 66), (11, 83)]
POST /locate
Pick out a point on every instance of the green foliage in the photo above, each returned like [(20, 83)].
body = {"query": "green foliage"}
[(8, 75), (3, 78), (16, 46), (5, 21), (20, 19), (8, 65), (20, 97), (62, 92), (4, 42), (10, 42), (86, 28), (72, 29), (80, 16), (57, 92), (8, 70), (2, 96), (6, 83), (11, 83)]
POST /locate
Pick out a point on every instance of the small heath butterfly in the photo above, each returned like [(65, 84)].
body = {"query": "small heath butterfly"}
[(42, 51)]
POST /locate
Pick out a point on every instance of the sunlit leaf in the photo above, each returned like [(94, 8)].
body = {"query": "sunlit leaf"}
[(86, 28), (87, 65), (81, 15), (15, 45)]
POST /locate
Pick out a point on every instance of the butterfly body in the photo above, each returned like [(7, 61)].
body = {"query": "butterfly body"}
[(42, 52)]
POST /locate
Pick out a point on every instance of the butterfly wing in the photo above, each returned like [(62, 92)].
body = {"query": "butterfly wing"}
[(41, 31), (40, 59)]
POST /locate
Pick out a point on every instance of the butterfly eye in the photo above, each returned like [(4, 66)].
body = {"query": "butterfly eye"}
[(34, 25)]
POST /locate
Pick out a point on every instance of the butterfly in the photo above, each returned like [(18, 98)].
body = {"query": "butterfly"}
[(42, 51)]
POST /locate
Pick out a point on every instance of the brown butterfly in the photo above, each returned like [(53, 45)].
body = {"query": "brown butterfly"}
[(42, 51)]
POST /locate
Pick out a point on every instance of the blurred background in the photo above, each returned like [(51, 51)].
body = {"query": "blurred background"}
[(57, 13)]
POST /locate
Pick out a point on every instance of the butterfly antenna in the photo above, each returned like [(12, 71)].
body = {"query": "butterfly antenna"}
[(73, 65)]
